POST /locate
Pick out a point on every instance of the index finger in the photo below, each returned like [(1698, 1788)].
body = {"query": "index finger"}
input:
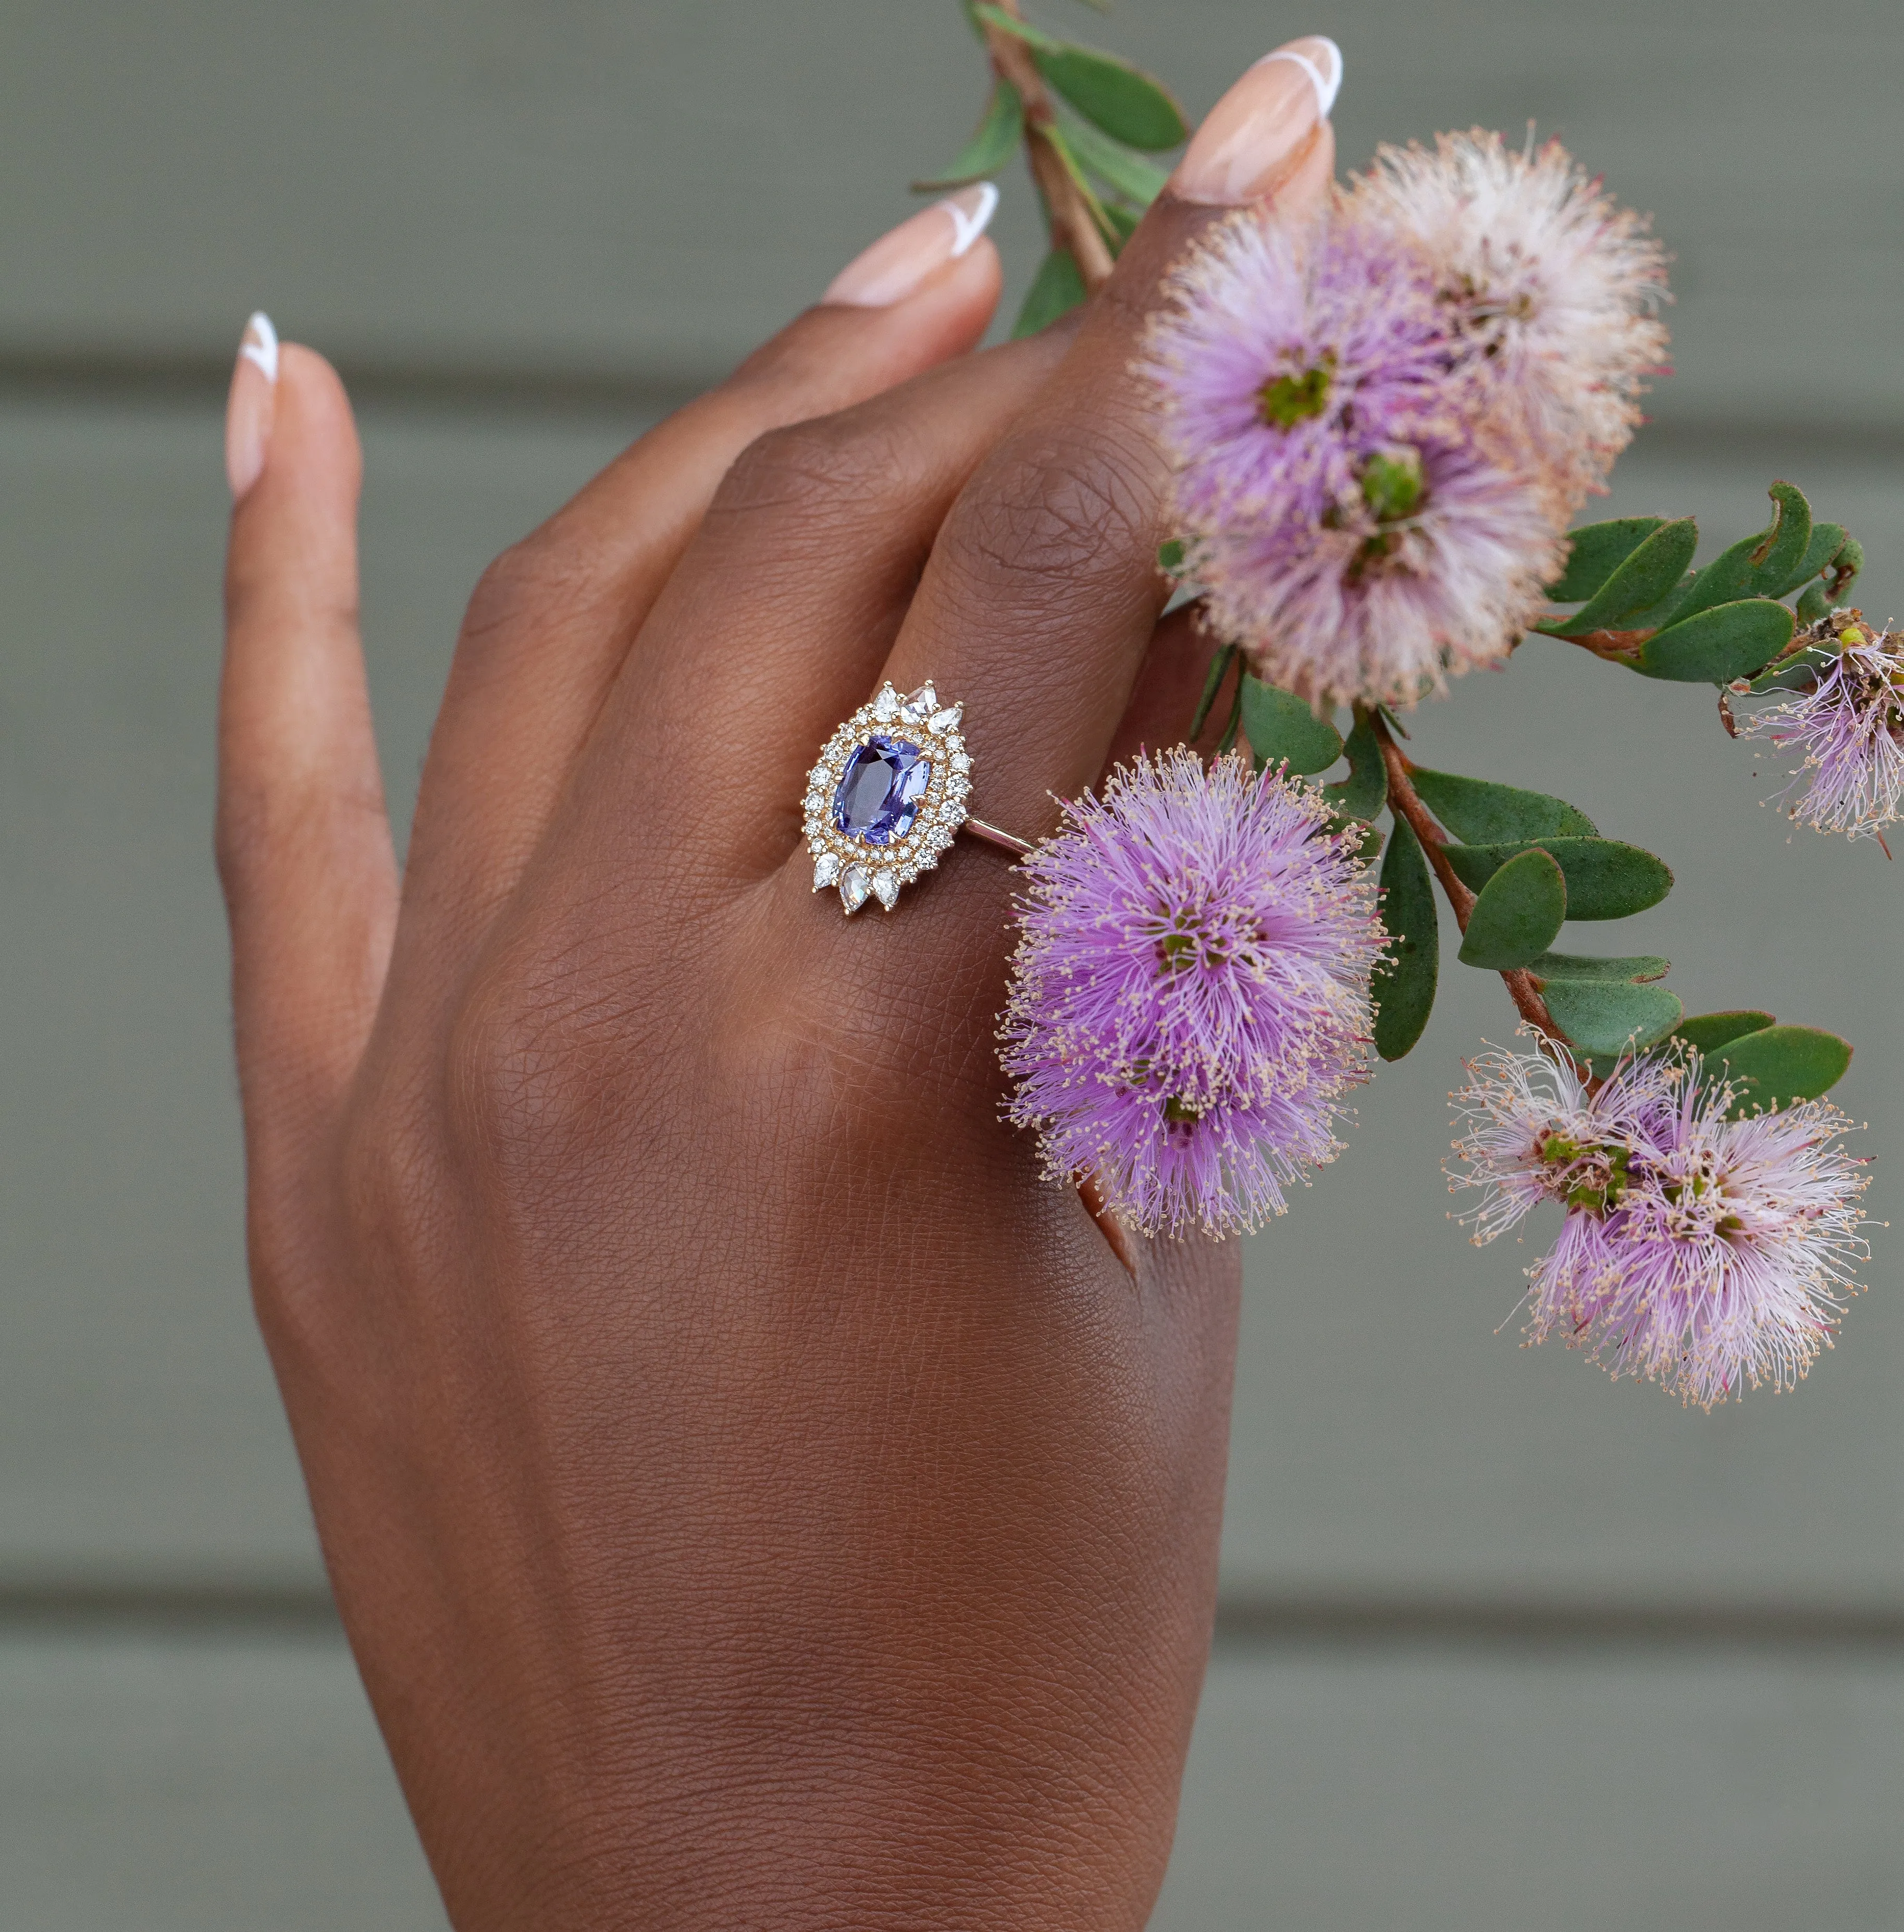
[(1043, 590)]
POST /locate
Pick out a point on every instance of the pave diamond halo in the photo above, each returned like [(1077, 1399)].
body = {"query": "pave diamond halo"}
[(887, 797)]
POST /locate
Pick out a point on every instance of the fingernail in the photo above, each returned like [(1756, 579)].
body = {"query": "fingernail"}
[(1254, 134), (248, 408), (900, 260)]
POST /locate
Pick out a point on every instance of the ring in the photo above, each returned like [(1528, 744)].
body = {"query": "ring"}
[(888, 797)]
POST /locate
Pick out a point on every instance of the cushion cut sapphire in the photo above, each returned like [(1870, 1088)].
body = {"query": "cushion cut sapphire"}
[(878, 796)]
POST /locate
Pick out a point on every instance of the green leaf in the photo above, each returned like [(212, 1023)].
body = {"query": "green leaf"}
[(1716, 645), (1785, 544), (1704, 1032), (1653, 569), (1598, 551), (1056, 289), (1814, 605), (1845, 569), (990, 148), (1281, 727), (1365, 791), (1518, 914), (1656, 616), (1403, 985), (1122, 100), (1059, 142), (1799, 672), (1229, 741), (1123, 172), (1578, 966), (996, 16), (1828, 539), (1219, 666), (1125, 102), (1750, 567), (1123, 223), (1780, 1064), (1605, 879), (1480, 812), (1608, 1016)]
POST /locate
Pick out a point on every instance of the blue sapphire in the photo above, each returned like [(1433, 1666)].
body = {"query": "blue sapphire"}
[(878, 796)]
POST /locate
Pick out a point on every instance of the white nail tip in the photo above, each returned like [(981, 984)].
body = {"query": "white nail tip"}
[(1327, 85), (966, 228), (259, 345)]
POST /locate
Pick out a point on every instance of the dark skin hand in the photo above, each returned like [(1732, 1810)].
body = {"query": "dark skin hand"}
[(754, 1496)]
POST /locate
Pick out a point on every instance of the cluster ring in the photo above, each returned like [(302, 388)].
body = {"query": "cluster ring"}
[(888, 797)]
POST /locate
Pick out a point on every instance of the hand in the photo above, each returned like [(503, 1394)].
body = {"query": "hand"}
[(754, 1497)]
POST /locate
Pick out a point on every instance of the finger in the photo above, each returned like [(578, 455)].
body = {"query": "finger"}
[(803, 569), (1169, 686), (554, 618), (303, 841), (1055, 538)]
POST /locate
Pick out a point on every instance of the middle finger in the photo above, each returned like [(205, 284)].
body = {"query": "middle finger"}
[(1043, 590)]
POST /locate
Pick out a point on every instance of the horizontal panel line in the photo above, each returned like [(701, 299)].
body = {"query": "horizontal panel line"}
[(509, 389), (139, 1605), (1244, 1622), (544, 388)]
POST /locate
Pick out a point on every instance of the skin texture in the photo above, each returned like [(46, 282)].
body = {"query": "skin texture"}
[(755, 1497)]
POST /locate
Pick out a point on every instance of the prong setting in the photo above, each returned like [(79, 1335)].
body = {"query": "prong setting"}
[(890, 849)]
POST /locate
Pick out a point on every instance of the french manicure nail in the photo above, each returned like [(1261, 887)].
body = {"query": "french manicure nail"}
[(901, 259), (248, 408), (1254, 135)]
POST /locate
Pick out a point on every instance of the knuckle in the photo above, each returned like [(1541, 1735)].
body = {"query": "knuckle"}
[(535, 576), (534, 1063), (829, 465), (1064, 506), (387, 1196), (369, 1192)]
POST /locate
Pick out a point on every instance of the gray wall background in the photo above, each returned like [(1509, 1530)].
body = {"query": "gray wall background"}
[(1502, 1644)]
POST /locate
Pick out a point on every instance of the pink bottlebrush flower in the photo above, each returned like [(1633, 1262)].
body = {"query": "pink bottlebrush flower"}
[(1851, 731), (1358, 534), (1532, 1132), (1701, 1253), (1553, 287), (1190, 992)]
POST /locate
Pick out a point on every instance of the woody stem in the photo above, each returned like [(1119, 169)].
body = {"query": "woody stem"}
[(1408, 804), (1074, 227)]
